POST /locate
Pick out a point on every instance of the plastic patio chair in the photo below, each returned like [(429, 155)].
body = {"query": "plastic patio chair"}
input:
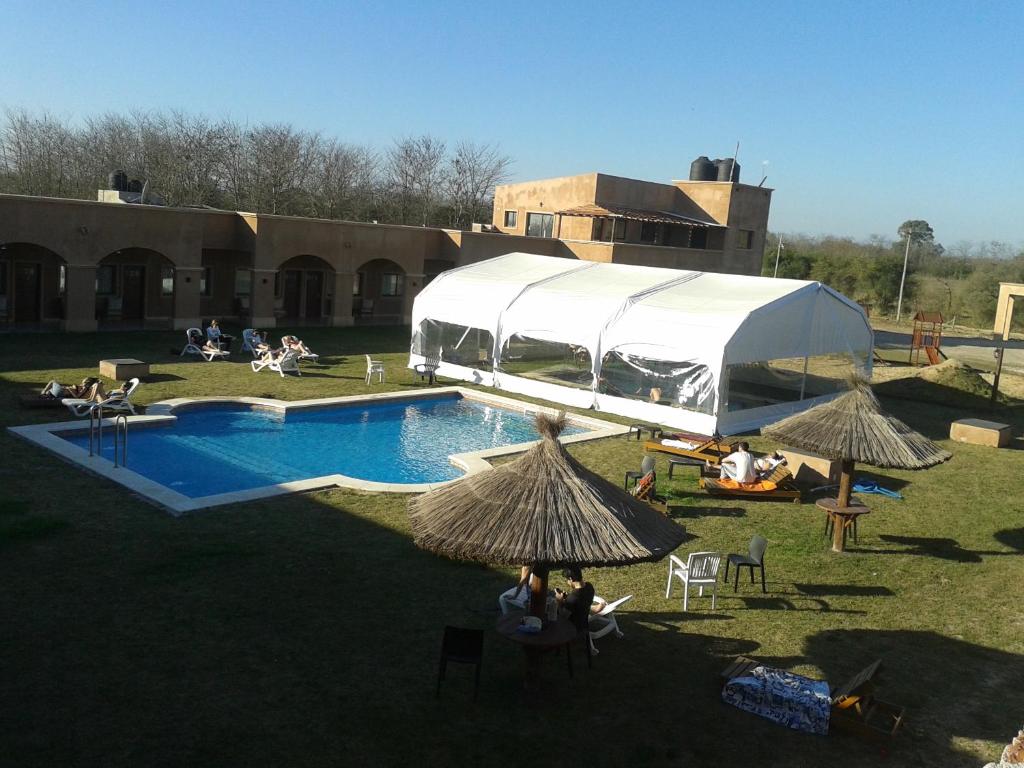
[(647, 465), (288, 362), (700, 570), (604, 622), (753, 559), (374, 367), (194, 340), (464, 646), (118, 402)]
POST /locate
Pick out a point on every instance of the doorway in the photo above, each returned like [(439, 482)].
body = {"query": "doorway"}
[(314, 295), (292, 293), (27, 285), (133, 292)]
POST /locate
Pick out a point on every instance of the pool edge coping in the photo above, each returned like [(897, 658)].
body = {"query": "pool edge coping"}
[(48, 436)]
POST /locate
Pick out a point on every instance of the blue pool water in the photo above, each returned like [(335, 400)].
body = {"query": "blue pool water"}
[(224, 448)]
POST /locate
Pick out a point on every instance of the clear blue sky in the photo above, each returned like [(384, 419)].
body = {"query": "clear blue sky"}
[(869, 113)]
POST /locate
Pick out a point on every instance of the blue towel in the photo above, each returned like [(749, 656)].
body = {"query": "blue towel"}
[(870, 486)]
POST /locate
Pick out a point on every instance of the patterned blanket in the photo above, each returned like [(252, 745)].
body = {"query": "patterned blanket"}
[(791, 700)]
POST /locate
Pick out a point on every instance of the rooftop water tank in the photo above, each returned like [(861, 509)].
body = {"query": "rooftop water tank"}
[(702, 169), (728, 170)]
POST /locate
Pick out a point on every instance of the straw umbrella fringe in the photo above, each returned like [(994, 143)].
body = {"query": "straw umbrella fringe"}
[(852, 428), (543, 509)]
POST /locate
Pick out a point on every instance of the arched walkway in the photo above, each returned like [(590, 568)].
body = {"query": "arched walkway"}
[(33, 280), (135, 289), (378, 292), (304, 291)]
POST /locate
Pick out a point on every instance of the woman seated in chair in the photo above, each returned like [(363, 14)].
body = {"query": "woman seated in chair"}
[(91, 388), (294, 342), (765, 465)]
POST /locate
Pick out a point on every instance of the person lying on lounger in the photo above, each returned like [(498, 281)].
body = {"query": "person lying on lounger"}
[(766, 464), (90, 389)]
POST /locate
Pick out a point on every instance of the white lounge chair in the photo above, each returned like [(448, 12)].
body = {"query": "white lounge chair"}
[(604, 622), (288, 362), (194, 346), (700, 570), (250, 340), (117, 402), (374, 367)]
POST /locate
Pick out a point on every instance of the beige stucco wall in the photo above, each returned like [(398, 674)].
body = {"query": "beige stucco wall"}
[(546, 196)]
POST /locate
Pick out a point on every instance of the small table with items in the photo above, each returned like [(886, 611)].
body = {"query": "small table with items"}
[(553, 635), (841, 519)]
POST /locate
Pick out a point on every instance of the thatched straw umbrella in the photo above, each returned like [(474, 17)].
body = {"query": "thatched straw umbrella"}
[(543, 509), (852, 428)]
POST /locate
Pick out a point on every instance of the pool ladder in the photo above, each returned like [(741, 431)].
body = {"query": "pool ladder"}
[(120, 435)]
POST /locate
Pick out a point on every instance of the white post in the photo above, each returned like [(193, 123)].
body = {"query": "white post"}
[(903, 279), (778, 252)]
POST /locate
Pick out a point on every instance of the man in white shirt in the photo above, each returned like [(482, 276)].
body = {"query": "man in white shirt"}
[(739, 465)]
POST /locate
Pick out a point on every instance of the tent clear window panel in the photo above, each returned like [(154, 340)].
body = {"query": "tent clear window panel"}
[(567, 365), (457, 344), (677, 384), (770, 382)]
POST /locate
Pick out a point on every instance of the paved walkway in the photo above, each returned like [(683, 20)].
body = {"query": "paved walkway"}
[(975, 352)]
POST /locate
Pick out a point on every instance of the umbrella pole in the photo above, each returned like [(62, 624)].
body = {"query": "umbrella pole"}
[(842, 502), (539, 593)]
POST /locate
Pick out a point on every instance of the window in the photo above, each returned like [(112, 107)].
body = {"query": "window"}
[(510, 219), (357, 284), (539, 224), (745, 241), (554, 362), (390, 285), (605, 229), (648, 232), (456, 344), (166, 281), (62, 280), (106, 280), (243, 282), (206, 282)]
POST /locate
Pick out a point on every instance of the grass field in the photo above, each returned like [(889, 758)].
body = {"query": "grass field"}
[(305, 631)]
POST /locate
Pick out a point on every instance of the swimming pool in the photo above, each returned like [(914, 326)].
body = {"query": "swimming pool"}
[(188, 454)]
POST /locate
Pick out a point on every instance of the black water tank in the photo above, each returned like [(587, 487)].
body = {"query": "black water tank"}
[(728, 170), (702, 169), (135, 185), (118, 181)]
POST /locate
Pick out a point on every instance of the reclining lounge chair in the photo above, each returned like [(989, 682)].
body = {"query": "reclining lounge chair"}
[(778, 484), (710, 449)]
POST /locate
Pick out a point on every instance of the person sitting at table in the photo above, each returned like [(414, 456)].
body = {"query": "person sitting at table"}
[(739, 465), (517, 597), (580, 601)]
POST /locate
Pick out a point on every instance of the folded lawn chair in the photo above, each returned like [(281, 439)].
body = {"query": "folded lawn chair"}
[(804, 704), (288, 362), (710, 449), (776, 485), (194, 345), (604, 622), (116, 402), (646, 490)]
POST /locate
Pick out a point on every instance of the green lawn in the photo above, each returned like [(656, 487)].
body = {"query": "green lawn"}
[(305, 631)]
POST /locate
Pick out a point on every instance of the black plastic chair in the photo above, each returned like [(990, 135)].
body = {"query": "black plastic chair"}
[(753, 559), (464, 646)]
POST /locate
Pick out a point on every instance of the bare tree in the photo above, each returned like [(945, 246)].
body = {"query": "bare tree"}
[(414, 173), (473, 173), (344, 181)]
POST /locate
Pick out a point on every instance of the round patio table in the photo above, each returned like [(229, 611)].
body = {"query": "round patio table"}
[(844, 518), (553, 634)]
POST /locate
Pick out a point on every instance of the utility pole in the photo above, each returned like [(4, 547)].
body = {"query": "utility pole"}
[(778, 252), (903, 279)]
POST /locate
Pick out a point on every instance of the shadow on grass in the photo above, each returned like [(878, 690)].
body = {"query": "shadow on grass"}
[(19, 524), (154, 378), (845, 590), (1011, 537), (683, 512)]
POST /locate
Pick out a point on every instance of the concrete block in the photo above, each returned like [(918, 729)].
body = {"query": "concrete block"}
[(980, 432), (120, 369), (811, 468)]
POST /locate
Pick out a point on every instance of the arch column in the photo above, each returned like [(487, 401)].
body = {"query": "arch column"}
[(80, 298), (262, 299), (186, 297), (413, 286), (341, 311)]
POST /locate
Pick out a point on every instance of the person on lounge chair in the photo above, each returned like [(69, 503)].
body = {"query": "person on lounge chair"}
[(91, 388), (764, 465), (220, 339), (739, 465)]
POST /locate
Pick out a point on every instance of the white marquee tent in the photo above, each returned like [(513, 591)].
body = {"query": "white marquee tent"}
[(698, 351)]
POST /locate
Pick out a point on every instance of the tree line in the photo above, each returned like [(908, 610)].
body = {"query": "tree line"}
[(961, 282), (192, 160)]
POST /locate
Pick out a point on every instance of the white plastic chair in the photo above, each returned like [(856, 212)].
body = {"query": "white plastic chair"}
[(119, 402), (288, 362), (193, 346), (700, 570), (604, 622), (372, 367)]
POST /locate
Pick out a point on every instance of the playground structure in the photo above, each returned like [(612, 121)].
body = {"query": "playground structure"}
[(928, 337)]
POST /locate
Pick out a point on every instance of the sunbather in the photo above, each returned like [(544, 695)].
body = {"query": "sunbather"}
[(764, 465), (91, 388)]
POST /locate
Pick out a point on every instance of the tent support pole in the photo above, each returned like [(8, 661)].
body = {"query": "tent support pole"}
[(803, 381)]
